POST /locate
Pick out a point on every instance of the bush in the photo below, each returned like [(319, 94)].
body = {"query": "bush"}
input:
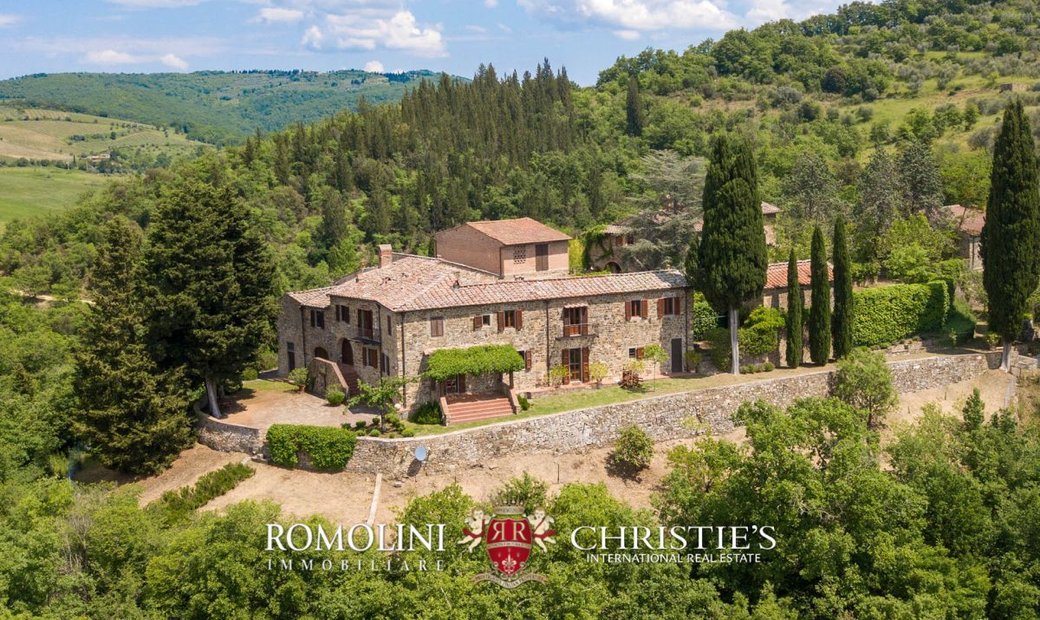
[(394, 421), (760, 335), (556, 376), (375, 421), (526, 491), (864, 381), (598, 372), (374, 433), (960, 323), (299, 378), (267, 360), (327, 448), (693, 360), (886, 314), (408, 432), (180, 503), (335, 396), (428, 413), (768, 367), (634, 448), (360, 425), (250, 374), (703, 319), (525, 404)]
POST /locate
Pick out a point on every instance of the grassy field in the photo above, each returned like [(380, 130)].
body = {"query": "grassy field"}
[(26, 192), (53, 135)]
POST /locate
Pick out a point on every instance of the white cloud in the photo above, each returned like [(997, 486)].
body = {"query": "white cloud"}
[(367, 30), (312, 37), (174, 62), (768, 10), (7, 19), (628, 35), (637, 15), (112, 57), (490, 3), (274, 15), (374, 66), (157, 4)]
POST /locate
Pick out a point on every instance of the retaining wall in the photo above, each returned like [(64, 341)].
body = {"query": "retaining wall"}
[(662, 417)]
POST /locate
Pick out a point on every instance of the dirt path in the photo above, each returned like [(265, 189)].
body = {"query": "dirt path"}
[(346, 497)]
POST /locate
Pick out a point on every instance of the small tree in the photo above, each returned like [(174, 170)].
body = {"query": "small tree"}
[(974, 411), (656, 355), (841, 322), (381, 396), (598, 372), (864, 381), (556, 375), (299, 378), (633, 448), (793, 320), (820, 311), (634, 108)]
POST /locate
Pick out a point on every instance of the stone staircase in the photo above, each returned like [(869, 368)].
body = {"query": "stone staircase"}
[(350, 377), (470, 408)]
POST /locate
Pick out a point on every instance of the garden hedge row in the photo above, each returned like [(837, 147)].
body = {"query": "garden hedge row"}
[(326, 447), (182, 502), (887, 314)]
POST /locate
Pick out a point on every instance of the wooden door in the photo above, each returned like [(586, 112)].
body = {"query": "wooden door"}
[(346, 353), (677, 355)]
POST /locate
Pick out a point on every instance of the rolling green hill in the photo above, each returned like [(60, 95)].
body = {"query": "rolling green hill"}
[(37, 190), (212, 106)]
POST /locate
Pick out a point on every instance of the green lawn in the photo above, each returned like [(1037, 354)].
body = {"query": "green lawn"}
[(26, 192)]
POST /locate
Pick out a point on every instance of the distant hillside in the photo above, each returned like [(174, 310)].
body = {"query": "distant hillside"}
[(212, 106)]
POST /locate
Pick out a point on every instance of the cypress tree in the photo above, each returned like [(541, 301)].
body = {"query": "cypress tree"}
[(211, 276), (133, 417), (793, 354), (732, 257), (820, 310), (634, 108), (841, 323), (1011, 236)]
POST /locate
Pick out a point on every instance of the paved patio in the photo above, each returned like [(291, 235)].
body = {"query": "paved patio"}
[(262, 408)]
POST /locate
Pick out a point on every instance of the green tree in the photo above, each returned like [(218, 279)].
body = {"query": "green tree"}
[(210, 277), (921, 183), (656, 355), (820, 310), (381, 396), (732, 252), (841, 321), (1011, 236), (793, 320), (132, 416), (877, 208), (634, 108), (864, 381)]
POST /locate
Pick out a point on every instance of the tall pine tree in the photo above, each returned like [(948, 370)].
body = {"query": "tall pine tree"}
[(132, 416), (732, 257), (793, 320), (820, 310), (1011, 236), (211, 276), (841, 322)]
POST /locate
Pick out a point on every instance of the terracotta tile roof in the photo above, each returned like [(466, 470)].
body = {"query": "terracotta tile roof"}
[(517, 231), (769, 209), (776, 274), (420, 283), (969, 221)]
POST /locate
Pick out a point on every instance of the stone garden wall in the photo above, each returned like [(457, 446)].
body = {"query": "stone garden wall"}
[(226, 437), (663, 417)]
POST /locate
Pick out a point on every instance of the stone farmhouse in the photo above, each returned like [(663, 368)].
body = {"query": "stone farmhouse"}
[(968, 223), (502, 282)]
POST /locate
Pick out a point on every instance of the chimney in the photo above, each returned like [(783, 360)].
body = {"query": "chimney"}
[(386, 255), (458, 278)]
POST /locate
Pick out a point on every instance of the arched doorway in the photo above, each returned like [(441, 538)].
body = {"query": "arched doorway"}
[(346, 352), (613, 267), (321, 352)]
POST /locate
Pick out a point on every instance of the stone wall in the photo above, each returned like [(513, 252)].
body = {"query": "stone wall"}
[(227, 437), (662, 417)]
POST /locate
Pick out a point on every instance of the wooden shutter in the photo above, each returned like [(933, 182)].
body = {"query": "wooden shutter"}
[(660, 308), (478, 322), (527, 360), (566, 366), (500, 319), (628, 311), (644, 308), (584, 364), (639, 353), (519, 314), (462, 384)]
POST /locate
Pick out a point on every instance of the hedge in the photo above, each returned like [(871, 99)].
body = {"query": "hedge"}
[(180, 503), (478, 360), (327, 447), (887, 314), (760, 335)]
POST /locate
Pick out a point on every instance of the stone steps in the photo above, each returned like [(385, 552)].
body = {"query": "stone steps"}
[(474, 410)]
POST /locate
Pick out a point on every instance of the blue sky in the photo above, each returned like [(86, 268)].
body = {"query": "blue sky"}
[(586, 36)]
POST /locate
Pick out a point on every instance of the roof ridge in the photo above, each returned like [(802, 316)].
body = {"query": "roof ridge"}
[(573, 277)]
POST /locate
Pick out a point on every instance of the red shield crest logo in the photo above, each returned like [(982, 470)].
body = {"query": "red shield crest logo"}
[(508, 543)]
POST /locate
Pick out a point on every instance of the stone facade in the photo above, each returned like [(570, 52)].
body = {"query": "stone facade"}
[(663, 417)]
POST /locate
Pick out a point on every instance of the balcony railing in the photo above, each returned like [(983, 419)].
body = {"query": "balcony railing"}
[(574, 330), (369, 334)]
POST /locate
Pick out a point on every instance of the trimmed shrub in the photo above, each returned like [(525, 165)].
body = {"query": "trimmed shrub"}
[(886, 314), (360, 425), (180, 503), (760, 335), (299, 377), (703, 319), (428, 413), (335, 396), (374, 433), (634, 448), (768, 367), (250, 374), (394, 421), (326, 447), (408, 432), (525, 404)]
